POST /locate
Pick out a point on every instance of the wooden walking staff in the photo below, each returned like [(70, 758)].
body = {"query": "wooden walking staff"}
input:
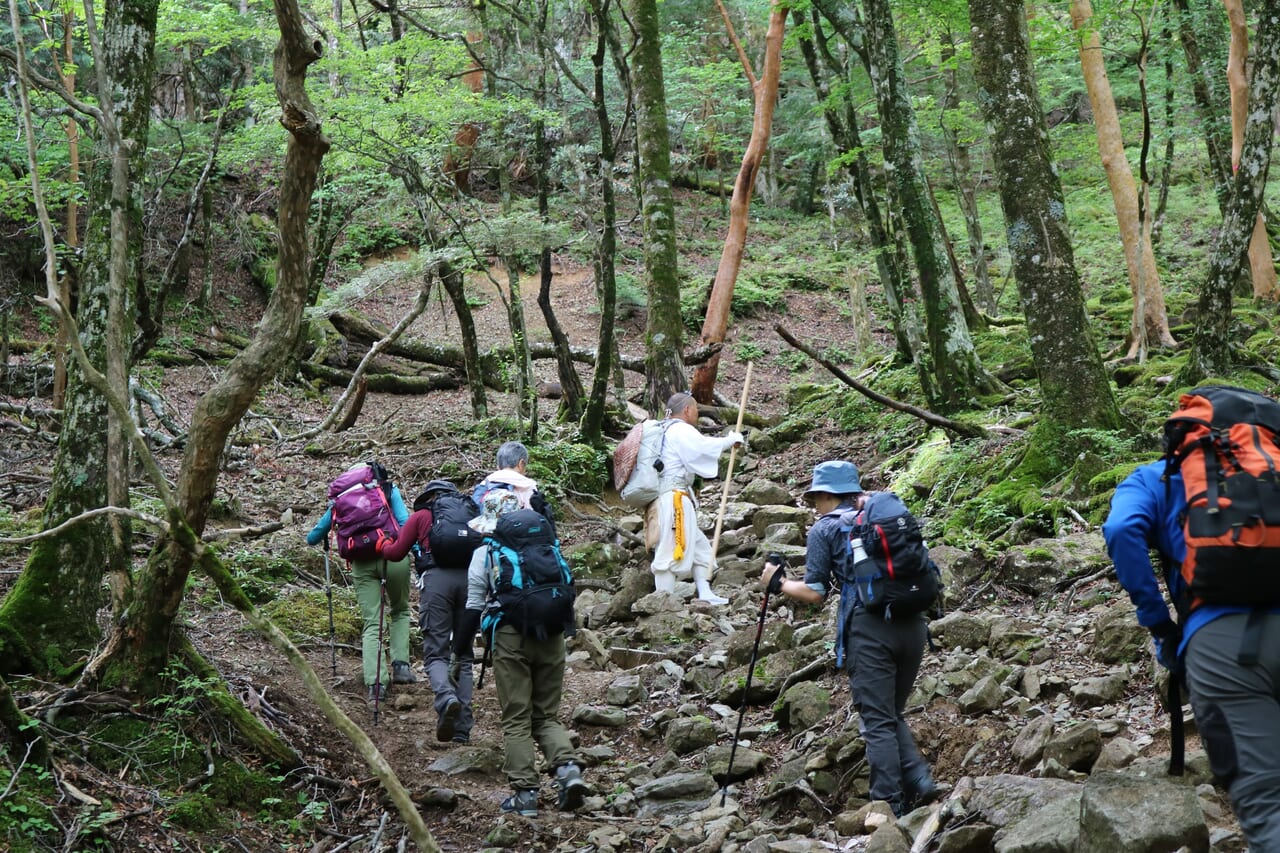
[(728, 475)]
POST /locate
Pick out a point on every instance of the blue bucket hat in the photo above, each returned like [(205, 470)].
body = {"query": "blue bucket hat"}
[(836, 477)]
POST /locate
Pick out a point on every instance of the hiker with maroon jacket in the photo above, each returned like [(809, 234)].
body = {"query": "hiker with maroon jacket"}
[(438, 527), (367, 576), (1228, 652)]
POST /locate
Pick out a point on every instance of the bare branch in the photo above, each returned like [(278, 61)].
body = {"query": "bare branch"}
[(149, 520)]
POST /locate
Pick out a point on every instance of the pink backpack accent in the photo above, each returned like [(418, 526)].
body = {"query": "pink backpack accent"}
[(360, 509)]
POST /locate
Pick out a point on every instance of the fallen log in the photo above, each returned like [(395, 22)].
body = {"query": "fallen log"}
[(355, 327), (387, 383)]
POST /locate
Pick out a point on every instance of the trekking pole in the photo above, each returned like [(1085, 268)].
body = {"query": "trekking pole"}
[(328, 588), (755, 650), (728, 475), (377, 670)]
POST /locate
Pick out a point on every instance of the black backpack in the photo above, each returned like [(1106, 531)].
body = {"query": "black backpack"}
[(533, 584), (451, 540), (889, 564)]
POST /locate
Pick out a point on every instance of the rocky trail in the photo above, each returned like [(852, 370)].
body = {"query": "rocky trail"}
[(1038, 709)]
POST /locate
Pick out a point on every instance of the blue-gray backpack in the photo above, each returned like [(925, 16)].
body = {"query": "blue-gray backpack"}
[(533, 585), (889, 563)]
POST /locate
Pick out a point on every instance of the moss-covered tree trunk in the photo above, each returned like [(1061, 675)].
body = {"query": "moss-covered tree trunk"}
[(146, 635), (957, 368), (1074, 388), (892, 265), (1212, 108), (571, 401), (664, 330), (1211, 346), (606, 284), (49, 619)]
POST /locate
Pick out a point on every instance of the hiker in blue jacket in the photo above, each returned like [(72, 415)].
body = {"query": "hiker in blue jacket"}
[(882, 656), (366, 578), (1237, 705)]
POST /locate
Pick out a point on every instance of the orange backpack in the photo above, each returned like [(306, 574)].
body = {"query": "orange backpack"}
[(1224, 442)]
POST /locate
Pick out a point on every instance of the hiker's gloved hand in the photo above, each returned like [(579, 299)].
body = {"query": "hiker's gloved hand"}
[(1168, 636), (775, 572), (383, 541), (733, 437)]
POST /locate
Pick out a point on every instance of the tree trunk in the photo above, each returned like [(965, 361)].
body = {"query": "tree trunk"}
[(664, 328), (959, 373), (571, 402), (1211, 345), (890, 252), (1150, 322), (1074, 388), (457, 162), (1211, 109), (716, 323), (1261, 267), (146, 633), (50, 616), (962, 176)]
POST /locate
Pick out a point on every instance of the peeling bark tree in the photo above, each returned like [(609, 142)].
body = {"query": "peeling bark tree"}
[(959, 372), (664, 329), (1211, 346), (1261, 267), (716, 323), (49, 619), (1150, 321), (1074, 388)]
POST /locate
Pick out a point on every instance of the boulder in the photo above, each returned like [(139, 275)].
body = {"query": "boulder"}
[(1005, 799), (1015, 639), (626, 690), (766, 681), (1029, 745), (767, 515), (973, 838), (1140, 814), (1075, 748), (746, 763), (677, 786), (1052, 828), (596, 559), (983, 697), (888, 839), (1040, 564), (1117, 636), (1099, 690), (776, 636), (1116, 753), (611, 718), (803, 705), (782, 534), (961, 630), (689, 734), (764, 492)]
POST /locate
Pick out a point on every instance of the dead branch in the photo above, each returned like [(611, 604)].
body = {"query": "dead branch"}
[(149, 520), (931, 418), (242, 532)]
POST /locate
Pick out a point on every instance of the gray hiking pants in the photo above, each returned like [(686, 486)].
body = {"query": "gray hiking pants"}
[(441, 606), (883, 658), (1238, 714)]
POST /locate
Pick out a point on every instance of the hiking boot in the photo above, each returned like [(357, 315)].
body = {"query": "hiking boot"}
[(523, 803), (462, 739), (401, 673), (448, 719), (921, 793), (378, 692), (573, 790)]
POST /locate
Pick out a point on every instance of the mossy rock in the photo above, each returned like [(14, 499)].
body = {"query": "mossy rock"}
[(239, 787), (303, 614), (196, 812)]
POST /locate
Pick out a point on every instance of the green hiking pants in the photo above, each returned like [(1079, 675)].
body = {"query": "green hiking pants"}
[(366, 576), (530, 676)]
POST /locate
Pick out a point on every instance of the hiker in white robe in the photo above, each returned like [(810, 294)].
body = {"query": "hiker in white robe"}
[(682, 548)]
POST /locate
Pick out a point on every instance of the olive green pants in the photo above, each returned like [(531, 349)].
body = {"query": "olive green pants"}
[(366, 577), (530, 676)]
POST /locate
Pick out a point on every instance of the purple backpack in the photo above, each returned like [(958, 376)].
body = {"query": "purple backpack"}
[(360, 509)]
